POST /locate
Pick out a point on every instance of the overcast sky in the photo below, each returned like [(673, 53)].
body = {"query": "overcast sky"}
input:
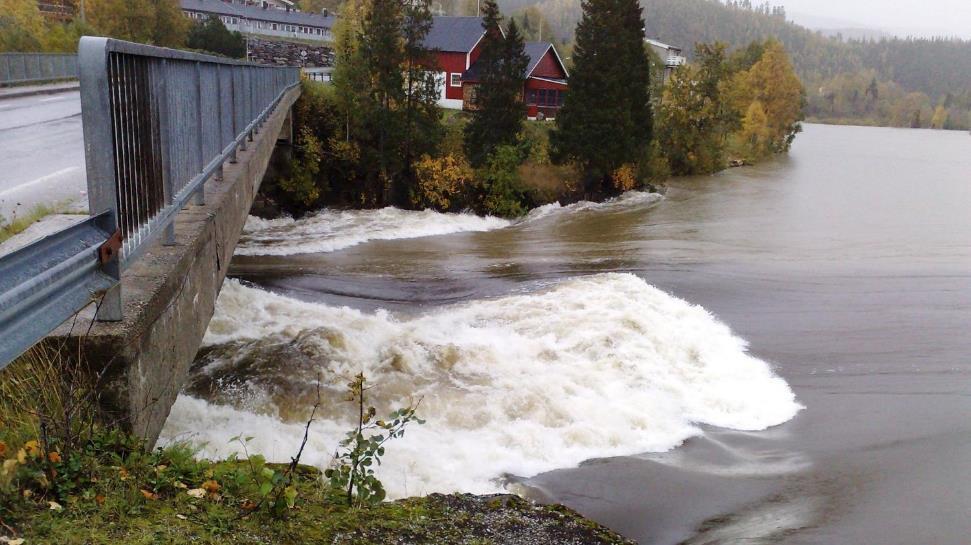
[(923, 17)]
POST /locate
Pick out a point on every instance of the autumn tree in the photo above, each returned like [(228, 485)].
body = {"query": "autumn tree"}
[(606, 120), (501, 67), (696, 116), (212, 35), (21, 26), (773, 83), (154, 22)]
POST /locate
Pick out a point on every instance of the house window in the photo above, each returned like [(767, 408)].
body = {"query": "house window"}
[(456, 80), (531, 97), (542, 97), (273, 26)]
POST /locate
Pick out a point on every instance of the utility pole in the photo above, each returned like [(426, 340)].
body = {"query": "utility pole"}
[(83, 17)]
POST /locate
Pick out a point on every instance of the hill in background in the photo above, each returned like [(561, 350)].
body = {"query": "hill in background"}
[(890, 81)]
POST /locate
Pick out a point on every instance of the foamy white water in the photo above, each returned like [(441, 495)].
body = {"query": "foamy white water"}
[(598, 366), (630, 199), (332, 230)]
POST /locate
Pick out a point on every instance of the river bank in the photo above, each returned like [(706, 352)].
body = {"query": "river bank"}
[(808, 261)]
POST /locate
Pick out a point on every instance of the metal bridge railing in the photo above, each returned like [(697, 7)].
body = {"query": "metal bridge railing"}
[(37, 67), (158, 123)]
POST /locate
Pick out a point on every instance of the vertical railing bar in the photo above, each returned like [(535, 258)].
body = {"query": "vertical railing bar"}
[(134, 181), (200, 196), (219, 111), (132, 211), (117, 119), (141, 102), (157, 135), (165, 138)]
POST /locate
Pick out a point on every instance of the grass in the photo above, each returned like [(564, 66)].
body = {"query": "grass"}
[(67, 480), (19, 224)]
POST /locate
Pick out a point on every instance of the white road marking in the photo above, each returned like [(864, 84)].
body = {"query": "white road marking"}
[(55, 99), (40, 180)]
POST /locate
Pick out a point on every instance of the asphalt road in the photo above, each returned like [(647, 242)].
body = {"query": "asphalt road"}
[(41, 153)]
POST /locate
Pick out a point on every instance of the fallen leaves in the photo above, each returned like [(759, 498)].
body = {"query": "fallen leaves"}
[(211, 486), (12, 541), (149, 495), (196, 493), (54, 457), (54, 506)]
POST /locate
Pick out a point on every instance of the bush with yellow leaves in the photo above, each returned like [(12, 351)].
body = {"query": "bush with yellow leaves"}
[(624, 178), (442, 183)]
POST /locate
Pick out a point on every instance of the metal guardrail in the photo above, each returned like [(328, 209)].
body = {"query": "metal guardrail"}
[(158, 123), (37, 67)]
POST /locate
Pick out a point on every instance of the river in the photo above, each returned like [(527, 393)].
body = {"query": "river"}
[(774, 354)]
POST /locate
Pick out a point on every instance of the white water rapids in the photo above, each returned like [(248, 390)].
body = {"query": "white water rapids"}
[(596, 366)]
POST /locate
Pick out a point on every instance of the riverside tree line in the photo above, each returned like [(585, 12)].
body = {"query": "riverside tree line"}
[(376, 137), (155, 22), (912, 82)]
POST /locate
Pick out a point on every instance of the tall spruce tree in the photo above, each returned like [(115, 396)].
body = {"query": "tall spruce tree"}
[(501, 69), (606, 120), (423, 128), (383, 56)]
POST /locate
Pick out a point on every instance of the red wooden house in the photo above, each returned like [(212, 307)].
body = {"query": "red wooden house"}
[(457, 44)]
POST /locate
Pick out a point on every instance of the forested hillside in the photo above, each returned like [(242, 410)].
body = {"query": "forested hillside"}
[(900, 82)]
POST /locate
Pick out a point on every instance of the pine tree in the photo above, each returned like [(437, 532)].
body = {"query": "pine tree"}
[(606, 120), (383, 56), (502, 69), (423, 128)]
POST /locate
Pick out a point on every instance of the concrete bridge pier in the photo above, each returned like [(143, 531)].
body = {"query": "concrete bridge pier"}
[(169, 294)]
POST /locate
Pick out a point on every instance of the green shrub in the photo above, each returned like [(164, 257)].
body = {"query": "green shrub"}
[(502, 190)]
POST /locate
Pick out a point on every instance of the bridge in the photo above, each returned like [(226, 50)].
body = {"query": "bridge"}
[(175, 146)]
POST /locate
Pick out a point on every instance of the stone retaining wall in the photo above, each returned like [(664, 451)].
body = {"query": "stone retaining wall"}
[(284, 53)]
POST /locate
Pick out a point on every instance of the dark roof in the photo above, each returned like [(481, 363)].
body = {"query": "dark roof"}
[(454, 34), (256, 13), (535, 51)]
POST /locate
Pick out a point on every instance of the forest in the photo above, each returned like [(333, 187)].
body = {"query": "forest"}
[(912, 82), (24, 28)]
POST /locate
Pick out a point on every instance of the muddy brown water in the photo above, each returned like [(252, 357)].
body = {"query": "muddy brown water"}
[(847, 265)]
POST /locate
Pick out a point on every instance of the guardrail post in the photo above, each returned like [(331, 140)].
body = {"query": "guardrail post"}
[(164, 111), (99, 154), (199, 198)]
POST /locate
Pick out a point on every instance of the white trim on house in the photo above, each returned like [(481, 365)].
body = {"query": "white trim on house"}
[(558, 59), (556, 81)]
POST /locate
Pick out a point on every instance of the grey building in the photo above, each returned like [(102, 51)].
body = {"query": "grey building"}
[(670, 55), (266, 18)]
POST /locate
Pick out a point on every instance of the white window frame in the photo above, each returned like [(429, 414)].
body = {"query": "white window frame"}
[(452, 77)]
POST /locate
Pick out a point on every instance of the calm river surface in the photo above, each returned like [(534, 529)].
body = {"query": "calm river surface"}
[(546, 367)]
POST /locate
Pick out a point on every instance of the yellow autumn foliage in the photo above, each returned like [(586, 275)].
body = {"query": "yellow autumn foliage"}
[(624, 178), (440, 181)]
